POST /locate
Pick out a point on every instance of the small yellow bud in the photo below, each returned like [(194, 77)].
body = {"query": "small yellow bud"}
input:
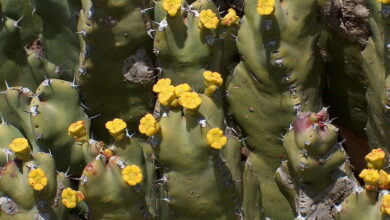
[(212, 78), (21, 148), (370, 178), (132, 175), (78, 131), (148, 125), (216, 139), (190, 100), (37, 179), (265, 7), (71, 197), (108, 153), (116, 128), (210, 90), (230, 18), (161, 85), (208, 19), (171, 6), (376, 159)]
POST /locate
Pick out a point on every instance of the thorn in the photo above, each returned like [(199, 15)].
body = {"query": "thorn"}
[(95, 116), (74, 83), (67, 171), (84, 106), (234, 36), (83, 32), (17, 22), (149, 32), (143, 11), (6, 84), (166, 200), (50, 152), (128, 134), (243, 139), (3, 122)]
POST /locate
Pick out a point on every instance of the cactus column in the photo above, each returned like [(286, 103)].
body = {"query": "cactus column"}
[(279, 75), (377, 66)]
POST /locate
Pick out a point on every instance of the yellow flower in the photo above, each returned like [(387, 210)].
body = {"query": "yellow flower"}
[(210, 90), (265, 7), (171, 6), (212, 78), (21, 148), (376, 159), (37, 179), (385, 206), (190, 100), (78, 131), (181, 89), (167, 95), (116, 128), (148, 125), (230, 18), (161, 85), (370, 177), (208, 19), (384, 180), (132, 175), (216, 139), (70, 197)]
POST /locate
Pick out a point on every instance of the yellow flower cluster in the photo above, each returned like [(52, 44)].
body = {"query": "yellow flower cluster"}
[(230, 18), (21, 148), (265, 7), (174, 96), (78, 131), (116, 128), (216, 139), (148, 125), (168, 94), (375, 177), (71, 197), (211, 80), (37, 179), (171, 6), (208, 19), (132, 175)]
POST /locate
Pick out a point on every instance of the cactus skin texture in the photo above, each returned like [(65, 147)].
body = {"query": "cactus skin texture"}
[(183, 49), (196, 181), (311, 178), (21, 201), (35, 43), (280, 73), (115, 49), (44, 117), (376, 63)]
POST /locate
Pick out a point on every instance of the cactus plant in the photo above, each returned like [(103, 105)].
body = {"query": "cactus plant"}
[(315, 176), (279, 74), (375, 64), (177, 109)]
